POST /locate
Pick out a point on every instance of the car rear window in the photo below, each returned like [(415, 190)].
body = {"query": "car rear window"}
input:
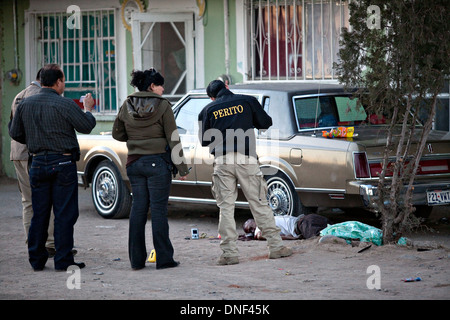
[(328, 111), (349, 111), (315, 112)]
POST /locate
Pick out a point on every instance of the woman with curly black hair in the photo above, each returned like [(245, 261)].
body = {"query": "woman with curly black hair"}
[(147, 123)]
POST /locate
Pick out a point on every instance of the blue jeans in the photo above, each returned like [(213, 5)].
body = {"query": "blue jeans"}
[(150, 180), (53, 180)]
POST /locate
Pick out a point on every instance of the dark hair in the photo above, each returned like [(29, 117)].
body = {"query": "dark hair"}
[(214, 87), (50, 73), (143, 79), (38, 75)]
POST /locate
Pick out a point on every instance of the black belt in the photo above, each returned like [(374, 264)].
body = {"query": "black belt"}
[(44, 153)]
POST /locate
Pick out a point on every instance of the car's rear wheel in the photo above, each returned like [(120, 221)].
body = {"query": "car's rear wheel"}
[(111, 197), (282, 197)]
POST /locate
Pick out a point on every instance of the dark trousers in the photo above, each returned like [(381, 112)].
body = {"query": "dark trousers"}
[(53, 180), (150, 180)]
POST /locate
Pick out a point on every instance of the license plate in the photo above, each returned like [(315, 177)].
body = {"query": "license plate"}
[(438, 197)]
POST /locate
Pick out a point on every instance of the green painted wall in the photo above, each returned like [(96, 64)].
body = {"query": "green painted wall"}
[(214, 61), (215, 41), (8, 89)]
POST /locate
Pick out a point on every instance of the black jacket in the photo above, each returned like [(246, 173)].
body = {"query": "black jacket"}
[(227, 124)]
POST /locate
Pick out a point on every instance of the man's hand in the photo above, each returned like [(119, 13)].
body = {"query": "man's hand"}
[(88, 103)]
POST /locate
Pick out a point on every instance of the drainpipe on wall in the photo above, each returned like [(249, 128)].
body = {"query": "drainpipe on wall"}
[(227, 40), (15, 75)]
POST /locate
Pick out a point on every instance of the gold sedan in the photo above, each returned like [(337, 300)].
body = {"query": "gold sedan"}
[(321, 151)]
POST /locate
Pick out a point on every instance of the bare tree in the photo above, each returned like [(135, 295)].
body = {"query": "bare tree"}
[(398, 51)]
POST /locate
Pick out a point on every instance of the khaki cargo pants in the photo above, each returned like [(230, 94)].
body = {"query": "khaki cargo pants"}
[(229, 170)]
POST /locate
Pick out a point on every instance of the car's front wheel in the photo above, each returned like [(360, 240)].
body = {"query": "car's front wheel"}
[(111, 197), (283, 199)]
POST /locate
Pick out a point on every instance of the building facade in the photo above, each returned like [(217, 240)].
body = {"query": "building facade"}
[(191, 42)]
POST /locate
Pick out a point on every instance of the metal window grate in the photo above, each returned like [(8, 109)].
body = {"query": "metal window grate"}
[(295, 39), (86, 54)]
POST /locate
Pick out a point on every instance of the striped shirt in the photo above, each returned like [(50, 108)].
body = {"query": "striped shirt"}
[(48, 121)]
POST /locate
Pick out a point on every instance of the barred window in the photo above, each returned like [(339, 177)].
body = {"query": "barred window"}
[(295, 39), (85, 52), (165, 41)]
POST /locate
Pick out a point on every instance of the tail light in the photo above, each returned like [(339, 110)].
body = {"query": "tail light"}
[(425, 167), (375, 169), (434, 166), (361, 165)]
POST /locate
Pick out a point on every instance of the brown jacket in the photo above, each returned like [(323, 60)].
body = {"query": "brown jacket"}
[(19, 151), (146, 122)]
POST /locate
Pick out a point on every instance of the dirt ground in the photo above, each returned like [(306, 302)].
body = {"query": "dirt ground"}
[(315, 271)]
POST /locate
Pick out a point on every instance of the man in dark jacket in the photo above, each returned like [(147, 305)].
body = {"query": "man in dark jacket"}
[(227, 127), (46, 123)]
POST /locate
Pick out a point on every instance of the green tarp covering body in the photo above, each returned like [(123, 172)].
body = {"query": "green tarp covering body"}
[(354, 230)]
